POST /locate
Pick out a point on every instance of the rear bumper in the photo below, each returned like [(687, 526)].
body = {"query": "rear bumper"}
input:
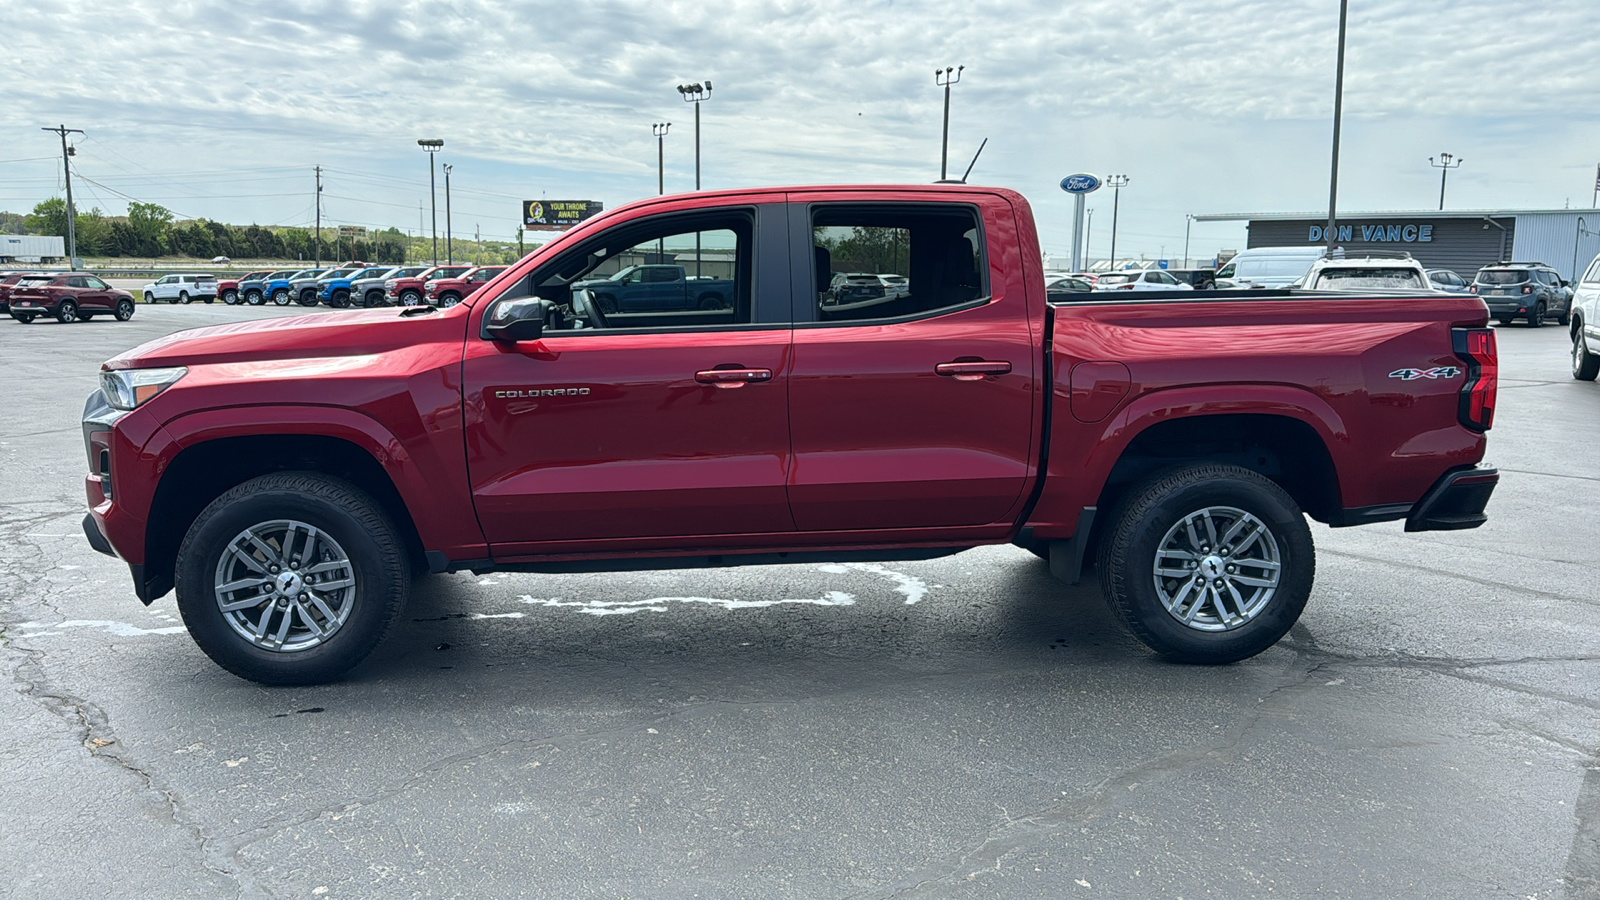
[(1456, 501)]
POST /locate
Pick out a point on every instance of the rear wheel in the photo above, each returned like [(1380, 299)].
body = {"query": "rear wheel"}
[(24, 319), (124, 310), (291, 578), (1536, 316), (66, 312), (1585, 365), (183, 297), (1208, 564)]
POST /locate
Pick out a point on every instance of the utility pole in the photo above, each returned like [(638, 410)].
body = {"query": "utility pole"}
[(432, 146), (72, 213), (1338, 113), (1444, 165), (1117, 182), (520, 231), (449, 240), (477, 243), (659, 129), (950, 75), (319, 216)]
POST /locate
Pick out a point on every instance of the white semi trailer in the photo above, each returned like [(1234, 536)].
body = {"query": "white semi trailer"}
[(31, 248)]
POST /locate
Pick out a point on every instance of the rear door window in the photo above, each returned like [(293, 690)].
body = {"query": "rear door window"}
[(933, 254)]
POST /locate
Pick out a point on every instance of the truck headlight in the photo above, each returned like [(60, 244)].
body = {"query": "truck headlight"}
[(131, 388)]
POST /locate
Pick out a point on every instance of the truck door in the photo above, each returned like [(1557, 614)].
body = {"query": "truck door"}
[(671, 424), (913, 410)]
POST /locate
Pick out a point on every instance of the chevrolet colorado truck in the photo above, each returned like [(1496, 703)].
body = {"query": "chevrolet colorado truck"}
[(290, 477)]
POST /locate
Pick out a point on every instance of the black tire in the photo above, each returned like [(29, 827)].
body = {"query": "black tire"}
[(607, 304), (1153, 513), (347, 520), (340, 299), (254, 297), (124, 310), (184, 298), (308, 297), (1536, 316), (372, 299), (281, 297), (230, 297), (26, 320), (1564, 319), (149, 297), (1585, 365), (411, 298), (67, 311), (713, 301)]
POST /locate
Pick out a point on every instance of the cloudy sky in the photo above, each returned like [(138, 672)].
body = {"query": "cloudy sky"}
[(220, 110)]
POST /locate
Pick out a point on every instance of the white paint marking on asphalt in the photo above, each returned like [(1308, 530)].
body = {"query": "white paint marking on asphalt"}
[(913, 589), (660, 604), (120, 629), (510, 615)]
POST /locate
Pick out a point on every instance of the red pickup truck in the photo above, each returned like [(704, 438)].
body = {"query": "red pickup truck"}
[(409, 291), (446, 291), (289, 477)]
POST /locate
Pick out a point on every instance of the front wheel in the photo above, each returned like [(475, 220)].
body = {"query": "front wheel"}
[(291, 578), (713, 301), (230, 297), (340, 299), (607, 304), (149, 297), (372, 299), (254, 297), (281, 297), (124, 310), (1208, 564), (1585, 365), (449, 299), (411, 298), (308, 298)]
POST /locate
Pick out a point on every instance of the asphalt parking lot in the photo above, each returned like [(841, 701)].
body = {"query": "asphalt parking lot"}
[(964, 727)]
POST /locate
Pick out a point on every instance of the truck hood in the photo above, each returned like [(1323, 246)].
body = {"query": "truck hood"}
[(319, 335)]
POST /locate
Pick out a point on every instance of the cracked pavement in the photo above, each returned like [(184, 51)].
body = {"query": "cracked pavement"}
[(963, 727)]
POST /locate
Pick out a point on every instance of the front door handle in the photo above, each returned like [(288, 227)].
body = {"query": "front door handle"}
[(732, 378), (972, 370)]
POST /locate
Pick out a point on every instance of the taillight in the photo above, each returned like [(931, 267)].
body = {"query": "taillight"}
[(1476, 348), (1527, 289)]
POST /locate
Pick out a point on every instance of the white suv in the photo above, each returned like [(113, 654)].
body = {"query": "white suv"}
[(1585, 324), (1368, 273), (181, 288)]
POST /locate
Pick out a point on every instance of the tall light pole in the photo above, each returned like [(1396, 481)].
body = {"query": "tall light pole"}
[(1338, 114), (697, 94), (1188, 220), (1444, 165), (1117, 182), (72, 215), (449, 244), (1088, 229), (944, 78), (432, 146), (659, 129)]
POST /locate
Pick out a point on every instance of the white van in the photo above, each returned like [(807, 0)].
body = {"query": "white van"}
[(1269, 267)]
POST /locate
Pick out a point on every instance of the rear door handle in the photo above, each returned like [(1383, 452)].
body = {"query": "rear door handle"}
[(732, 378), (972, 371)]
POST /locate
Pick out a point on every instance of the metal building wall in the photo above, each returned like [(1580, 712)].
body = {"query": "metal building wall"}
[(1553, 238), (1462, 244)]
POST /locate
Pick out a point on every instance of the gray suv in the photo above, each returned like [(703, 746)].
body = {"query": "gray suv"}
[(1531, 291)]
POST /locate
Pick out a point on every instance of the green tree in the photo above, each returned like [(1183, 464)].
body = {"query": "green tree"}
[(94, 235), (148, 224), (49, 217), (13, 223)]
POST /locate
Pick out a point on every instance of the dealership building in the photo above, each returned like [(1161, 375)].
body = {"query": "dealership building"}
[(1462, 240)]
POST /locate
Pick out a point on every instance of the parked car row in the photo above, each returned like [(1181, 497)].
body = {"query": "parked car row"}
[(358, 284)]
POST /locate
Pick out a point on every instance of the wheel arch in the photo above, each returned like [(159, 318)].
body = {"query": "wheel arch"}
[(203, 471)]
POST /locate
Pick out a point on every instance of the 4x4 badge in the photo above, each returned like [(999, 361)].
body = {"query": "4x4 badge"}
[(1435, 372)]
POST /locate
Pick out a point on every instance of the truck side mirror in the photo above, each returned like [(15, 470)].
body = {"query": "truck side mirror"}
[(514, 321)]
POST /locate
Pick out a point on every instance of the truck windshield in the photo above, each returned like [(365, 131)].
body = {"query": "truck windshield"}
[(1502, 276), (1375, 278)]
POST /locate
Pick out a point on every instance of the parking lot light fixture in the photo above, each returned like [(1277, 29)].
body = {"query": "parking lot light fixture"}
[(1444, 165), (697, 94), (1117, 182), (944, 78), (449, 242), (432, 146)]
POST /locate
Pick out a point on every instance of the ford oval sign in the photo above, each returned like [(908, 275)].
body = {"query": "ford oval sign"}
[(1080, 184)]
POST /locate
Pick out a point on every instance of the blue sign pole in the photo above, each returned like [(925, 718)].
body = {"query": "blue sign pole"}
[(1078, 185)]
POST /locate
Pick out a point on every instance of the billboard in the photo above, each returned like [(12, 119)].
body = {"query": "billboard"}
[(552, 215)]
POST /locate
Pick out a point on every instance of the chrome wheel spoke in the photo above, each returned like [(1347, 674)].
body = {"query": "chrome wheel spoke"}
[(265, 585)]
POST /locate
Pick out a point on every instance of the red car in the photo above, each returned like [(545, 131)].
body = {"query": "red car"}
[(410, 291), (228, 288), (7, 281), (288, 477), (450, 291), (68, 297)]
